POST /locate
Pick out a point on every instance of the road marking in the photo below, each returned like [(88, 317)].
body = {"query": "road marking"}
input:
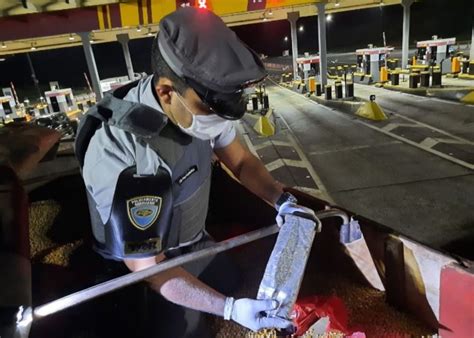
[(462, 140), (269, 143), (304, 163), (392, 126), (336, 150), (390, 134)]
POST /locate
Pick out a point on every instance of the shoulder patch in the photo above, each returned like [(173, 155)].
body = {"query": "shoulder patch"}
[(143, 211)]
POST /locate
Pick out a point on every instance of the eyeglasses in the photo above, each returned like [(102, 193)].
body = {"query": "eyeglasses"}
[(230, 106)]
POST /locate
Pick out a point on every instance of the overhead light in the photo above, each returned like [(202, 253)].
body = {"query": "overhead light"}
[(33, 47), (301, 29), (149, 32), (337, 4), (381, 3), (270, 12), (329, 17), (139, 29), (71, 37), (4, 45), (91, 40), (265, 19), (286, 38)]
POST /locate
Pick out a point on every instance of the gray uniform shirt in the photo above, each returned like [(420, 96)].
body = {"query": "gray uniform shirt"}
[(111, 150)]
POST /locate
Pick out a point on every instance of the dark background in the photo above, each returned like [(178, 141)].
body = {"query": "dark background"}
[(346, 32)]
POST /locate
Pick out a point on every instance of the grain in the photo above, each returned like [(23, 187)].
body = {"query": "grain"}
[(368, 311), (42, 216)]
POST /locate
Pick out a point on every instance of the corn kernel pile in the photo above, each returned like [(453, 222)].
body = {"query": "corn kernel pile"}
[(42, 215), (367, 308)]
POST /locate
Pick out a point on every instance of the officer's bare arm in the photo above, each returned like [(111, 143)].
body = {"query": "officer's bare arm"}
[(250, 171), (180, 287)]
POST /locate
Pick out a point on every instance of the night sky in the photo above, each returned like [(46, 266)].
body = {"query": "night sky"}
[(346, 32)]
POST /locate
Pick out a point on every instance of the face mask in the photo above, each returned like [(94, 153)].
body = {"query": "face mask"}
[(204, 127)]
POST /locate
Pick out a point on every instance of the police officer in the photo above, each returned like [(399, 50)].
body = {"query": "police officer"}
[(146, 149)]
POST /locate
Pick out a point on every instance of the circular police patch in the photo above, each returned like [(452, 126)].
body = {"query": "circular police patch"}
[(143, 211)]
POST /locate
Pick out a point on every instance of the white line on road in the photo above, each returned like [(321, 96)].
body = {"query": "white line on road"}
[(388, 133)]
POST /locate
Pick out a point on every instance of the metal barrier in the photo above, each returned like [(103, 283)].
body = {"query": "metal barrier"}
[(82, 296)]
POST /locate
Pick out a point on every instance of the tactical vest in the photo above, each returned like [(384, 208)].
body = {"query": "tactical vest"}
[(177, 202)]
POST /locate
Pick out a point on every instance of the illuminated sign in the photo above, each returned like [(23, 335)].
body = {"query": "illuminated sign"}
[(191, 3), (255, 5)]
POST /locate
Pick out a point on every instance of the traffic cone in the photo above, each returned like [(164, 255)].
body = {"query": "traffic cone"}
[(372, 111), (264, 126)]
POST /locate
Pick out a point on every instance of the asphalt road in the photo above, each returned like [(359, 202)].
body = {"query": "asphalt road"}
[(384, 178)]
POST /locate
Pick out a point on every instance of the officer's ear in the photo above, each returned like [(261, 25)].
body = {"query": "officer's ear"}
[(163, 91)]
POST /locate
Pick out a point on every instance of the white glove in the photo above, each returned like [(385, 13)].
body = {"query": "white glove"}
[(289, 208), (251, 314)]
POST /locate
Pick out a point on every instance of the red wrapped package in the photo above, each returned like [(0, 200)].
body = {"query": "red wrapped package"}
[(310, 309)]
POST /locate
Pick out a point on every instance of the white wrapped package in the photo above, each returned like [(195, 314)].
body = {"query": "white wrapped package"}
[(285, 268)]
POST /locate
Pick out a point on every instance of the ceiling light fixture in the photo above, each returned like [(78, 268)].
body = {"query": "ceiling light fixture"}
[(337, 4), (139, 29), (33, 47), (4, 45), (71, 37), (149, 32)]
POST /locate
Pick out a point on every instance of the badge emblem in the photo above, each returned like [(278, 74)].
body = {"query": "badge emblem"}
[(143, 211)]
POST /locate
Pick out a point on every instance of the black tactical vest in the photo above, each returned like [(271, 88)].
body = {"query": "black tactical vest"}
[(149, 214)]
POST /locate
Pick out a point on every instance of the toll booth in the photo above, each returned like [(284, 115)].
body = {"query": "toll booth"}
[(308, 67), (8, 111), (370, 60), (436, 52), (61, 101)]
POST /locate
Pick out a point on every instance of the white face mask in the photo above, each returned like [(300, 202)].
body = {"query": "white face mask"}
[(204, 127)]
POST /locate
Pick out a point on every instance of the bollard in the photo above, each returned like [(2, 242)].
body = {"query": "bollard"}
[(319, 90), (395, 79), (436, 79), (338, 89), (312, 84), (424, 79), (383, 74), (266, 103), (328, 92), (349, 89), (413, 80), (471, 68), (254, 103), (465, 67)]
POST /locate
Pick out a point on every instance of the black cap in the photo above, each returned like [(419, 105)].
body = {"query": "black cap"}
[(199, 47)]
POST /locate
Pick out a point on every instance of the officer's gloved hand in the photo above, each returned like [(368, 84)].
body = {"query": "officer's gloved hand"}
[(251, 314), (290, 208)]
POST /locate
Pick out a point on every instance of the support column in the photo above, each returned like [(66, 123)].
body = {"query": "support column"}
[(406, 31), (471, 54), (293, 18), (91, 66), (123, 39), (323, 60)]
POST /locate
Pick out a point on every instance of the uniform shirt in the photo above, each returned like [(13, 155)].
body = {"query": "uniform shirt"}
[(111, 150)]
